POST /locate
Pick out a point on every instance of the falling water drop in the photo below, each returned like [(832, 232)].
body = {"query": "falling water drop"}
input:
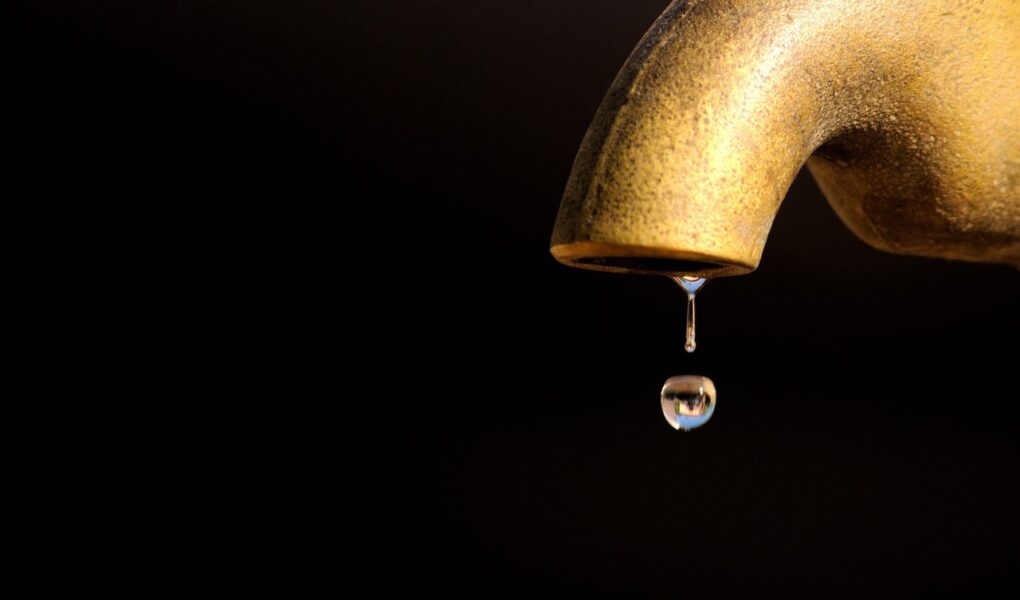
[(688, 401), (691, 285)]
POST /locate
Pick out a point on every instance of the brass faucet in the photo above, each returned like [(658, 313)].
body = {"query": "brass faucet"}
[(907, 113)]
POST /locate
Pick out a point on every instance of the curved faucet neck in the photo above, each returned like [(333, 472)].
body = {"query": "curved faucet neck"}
[(698, 140)]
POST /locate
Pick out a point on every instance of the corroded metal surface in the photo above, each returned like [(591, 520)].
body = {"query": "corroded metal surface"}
[(907, 113)]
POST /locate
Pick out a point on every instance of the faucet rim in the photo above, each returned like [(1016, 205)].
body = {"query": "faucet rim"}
[(645, 260)]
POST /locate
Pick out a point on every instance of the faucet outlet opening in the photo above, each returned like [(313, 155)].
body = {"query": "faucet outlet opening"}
[(618, 258)]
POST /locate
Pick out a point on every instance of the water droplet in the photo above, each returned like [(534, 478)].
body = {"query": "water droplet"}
[(688, 401), (691, 285)]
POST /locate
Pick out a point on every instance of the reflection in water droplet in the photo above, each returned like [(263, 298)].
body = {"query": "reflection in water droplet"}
[(691, 285), (688, 401)]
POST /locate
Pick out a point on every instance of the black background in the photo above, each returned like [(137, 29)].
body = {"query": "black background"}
[(346, 207)]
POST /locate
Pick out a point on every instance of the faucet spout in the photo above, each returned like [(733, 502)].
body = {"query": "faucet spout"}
[(906, 113)]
